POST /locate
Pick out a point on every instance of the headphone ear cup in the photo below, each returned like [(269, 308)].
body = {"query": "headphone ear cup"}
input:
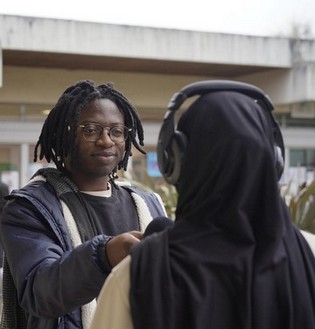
[(279, 160), (175, 156)]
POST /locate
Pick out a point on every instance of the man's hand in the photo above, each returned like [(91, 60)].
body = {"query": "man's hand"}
[(119, 246)]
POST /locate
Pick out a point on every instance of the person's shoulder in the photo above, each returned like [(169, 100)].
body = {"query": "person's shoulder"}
[(138, 189), (310, 238), (121, 273), (152, 199), (131, 188), (37, 188), (117, 286), (122, 267)]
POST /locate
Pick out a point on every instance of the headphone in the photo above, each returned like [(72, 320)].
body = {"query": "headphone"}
[(172, 143)]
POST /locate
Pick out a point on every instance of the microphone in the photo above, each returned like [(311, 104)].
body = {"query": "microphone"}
[(158, 224)]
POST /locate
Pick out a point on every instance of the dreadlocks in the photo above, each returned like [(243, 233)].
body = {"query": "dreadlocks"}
[(58, 135)]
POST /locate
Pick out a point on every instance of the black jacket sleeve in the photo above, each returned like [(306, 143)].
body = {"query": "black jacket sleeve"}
[(51, 278)]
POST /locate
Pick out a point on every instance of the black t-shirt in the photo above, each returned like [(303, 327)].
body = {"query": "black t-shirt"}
[(115, 214)]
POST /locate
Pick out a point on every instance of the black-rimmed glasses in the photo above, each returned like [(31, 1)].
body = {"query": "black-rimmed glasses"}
[(93, 131)]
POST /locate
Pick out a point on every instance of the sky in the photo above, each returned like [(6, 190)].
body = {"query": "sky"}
[(249, 17)]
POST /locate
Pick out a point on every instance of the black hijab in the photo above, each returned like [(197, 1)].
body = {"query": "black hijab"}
[(233, 259)]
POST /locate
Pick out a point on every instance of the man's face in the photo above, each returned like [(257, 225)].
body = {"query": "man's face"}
[(95, 160)]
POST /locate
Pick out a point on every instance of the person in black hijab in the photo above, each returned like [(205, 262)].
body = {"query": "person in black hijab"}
[(233, 259)]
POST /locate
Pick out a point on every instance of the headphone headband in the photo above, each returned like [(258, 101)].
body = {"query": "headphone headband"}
[(205, 87), (172, 143)]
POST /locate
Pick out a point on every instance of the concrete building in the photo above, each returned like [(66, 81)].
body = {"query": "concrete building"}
[(41, 57)]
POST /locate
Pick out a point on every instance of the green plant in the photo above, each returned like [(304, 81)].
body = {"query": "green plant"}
[(300, 201), (158, 185), (301, 205)]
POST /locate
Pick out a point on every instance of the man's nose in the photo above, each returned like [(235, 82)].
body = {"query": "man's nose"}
[(104, 138)]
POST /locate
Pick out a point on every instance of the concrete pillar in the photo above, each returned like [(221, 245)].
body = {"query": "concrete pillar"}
[(24, 162)]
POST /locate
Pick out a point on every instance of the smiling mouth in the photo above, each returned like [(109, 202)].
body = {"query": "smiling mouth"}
[(104, 154), (105, 158)]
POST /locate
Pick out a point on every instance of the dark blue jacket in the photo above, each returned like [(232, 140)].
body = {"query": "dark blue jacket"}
[(34, 214)]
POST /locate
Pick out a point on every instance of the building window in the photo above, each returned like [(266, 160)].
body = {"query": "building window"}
[(302, 158)]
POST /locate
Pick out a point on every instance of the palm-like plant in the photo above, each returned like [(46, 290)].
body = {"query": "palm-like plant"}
[(158, 185), (301, 205), (301, 202)]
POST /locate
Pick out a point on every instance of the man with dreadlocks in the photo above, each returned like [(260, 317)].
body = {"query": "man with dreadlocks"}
[(64, 231)]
